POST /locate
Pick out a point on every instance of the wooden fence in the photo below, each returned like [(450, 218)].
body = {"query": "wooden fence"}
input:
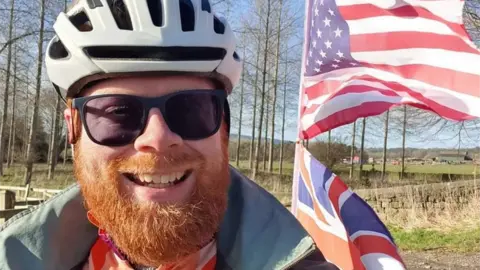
[(14, 200)]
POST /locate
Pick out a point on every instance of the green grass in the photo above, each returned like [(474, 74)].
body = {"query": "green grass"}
[(63, 176), (433, 169), (420, 239), (467, 169)]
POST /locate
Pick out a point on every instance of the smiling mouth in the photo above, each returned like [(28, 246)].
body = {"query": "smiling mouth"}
[(159, 180)]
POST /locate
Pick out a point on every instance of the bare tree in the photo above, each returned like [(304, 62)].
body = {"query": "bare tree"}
[(33, 125), (7, 85), (262, 100), (402, 172), (255, 94), (352, 153), (241, 113), (274, 91), (11, 136), (385, 140), (362, 144), (284, 114)]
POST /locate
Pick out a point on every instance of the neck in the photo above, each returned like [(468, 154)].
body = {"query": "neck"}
[(107, 239)]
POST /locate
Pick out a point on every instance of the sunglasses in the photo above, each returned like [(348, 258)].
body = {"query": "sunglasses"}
[(118, 120)]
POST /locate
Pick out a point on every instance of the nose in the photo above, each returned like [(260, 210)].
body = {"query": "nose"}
[(157, 136)]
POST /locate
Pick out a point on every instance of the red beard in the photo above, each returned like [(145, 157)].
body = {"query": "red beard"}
[(153, 234)]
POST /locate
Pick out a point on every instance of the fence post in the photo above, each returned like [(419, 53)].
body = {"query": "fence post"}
[(7, 201)]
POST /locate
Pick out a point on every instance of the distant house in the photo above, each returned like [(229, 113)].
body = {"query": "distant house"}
[(356, 160), (453, 158)]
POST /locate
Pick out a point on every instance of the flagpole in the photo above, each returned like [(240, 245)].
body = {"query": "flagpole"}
[(300, 106)]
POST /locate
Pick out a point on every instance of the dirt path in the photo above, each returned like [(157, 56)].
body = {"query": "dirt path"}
[(441, 261)]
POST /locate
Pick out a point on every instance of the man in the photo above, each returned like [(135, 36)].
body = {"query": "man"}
[(146, 85)]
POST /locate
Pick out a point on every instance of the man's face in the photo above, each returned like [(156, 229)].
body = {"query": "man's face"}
[(154, 224)]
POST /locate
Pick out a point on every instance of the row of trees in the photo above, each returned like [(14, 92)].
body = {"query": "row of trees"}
[(264, 105)]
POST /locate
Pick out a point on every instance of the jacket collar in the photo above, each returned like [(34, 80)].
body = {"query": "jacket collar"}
[(257, 232)]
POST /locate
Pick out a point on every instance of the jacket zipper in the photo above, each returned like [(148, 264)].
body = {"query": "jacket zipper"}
[(301, 257)]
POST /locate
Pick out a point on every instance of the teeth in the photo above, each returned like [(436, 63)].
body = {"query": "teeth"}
[(146, 178), (161, 179)]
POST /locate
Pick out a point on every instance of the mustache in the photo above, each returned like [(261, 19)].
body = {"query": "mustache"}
[(149, 163)]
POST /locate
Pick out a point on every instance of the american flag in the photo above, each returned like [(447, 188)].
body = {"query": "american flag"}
[(345, 228), (361, 57)]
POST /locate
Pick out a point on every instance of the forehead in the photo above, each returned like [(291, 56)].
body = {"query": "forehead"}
[(148, 86)]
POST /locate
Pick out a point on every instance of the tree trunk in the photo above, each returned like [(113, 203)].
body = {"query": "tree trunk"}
[(385, 140), (284, 113), (361, 149), (50, 145), (402, 170), (257, 148), (11, 137), (54, 142), (252, 139), (33, 127), (352, 153), (241, 111), (265, 139), (26, 132), (7, 85), (274, 94)]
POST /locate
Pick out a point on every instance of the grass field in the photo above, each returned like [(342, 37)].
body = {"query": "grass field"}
[(409, 168), (420, 239), (433, 169)]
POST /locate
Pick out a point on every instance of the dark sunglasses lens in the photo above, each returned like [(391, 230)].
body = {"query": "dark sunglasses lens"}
[(114, 120), (193, 116)]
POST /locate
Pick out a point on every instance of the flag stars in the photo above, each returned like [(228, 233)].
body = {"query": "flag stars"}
[(310, 53), (340, 54), (319, 62), (314, 44), (338, 32), (321, 2), (317, 69), (319, 33), (353, 64), (336, 60), (323, 54), (335, 66), (328, 44), (327, 21), (331, 12), (316, 11)]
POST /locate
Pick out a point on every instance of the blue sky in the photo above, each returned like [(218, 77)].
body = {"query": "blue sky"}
[(422, 139)]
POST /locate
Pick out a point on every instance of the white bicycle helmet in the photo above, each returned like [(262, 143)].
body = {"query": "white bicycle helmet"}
[(93, 42)]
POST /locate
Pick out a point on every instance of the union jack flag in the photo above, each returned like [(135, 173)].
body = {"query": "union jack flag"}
[(361, 57), (345, 228)]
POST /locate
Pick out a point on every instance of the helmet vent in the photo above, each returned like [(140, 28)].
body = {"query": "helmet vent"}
[(236, 57), (155, 8), (94, 4), (156, 53), (57, 49), (187, 15), (81, 22), (218, 26), (206, 6), (120, 14)]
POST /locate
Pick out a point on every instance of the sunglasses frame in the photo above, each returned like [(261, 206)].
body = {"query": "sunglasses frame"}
[(149, 103)]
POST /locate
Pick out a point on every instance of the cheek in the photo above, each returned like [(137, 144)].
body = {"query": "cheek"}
[(210, 148), (97, 156)]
